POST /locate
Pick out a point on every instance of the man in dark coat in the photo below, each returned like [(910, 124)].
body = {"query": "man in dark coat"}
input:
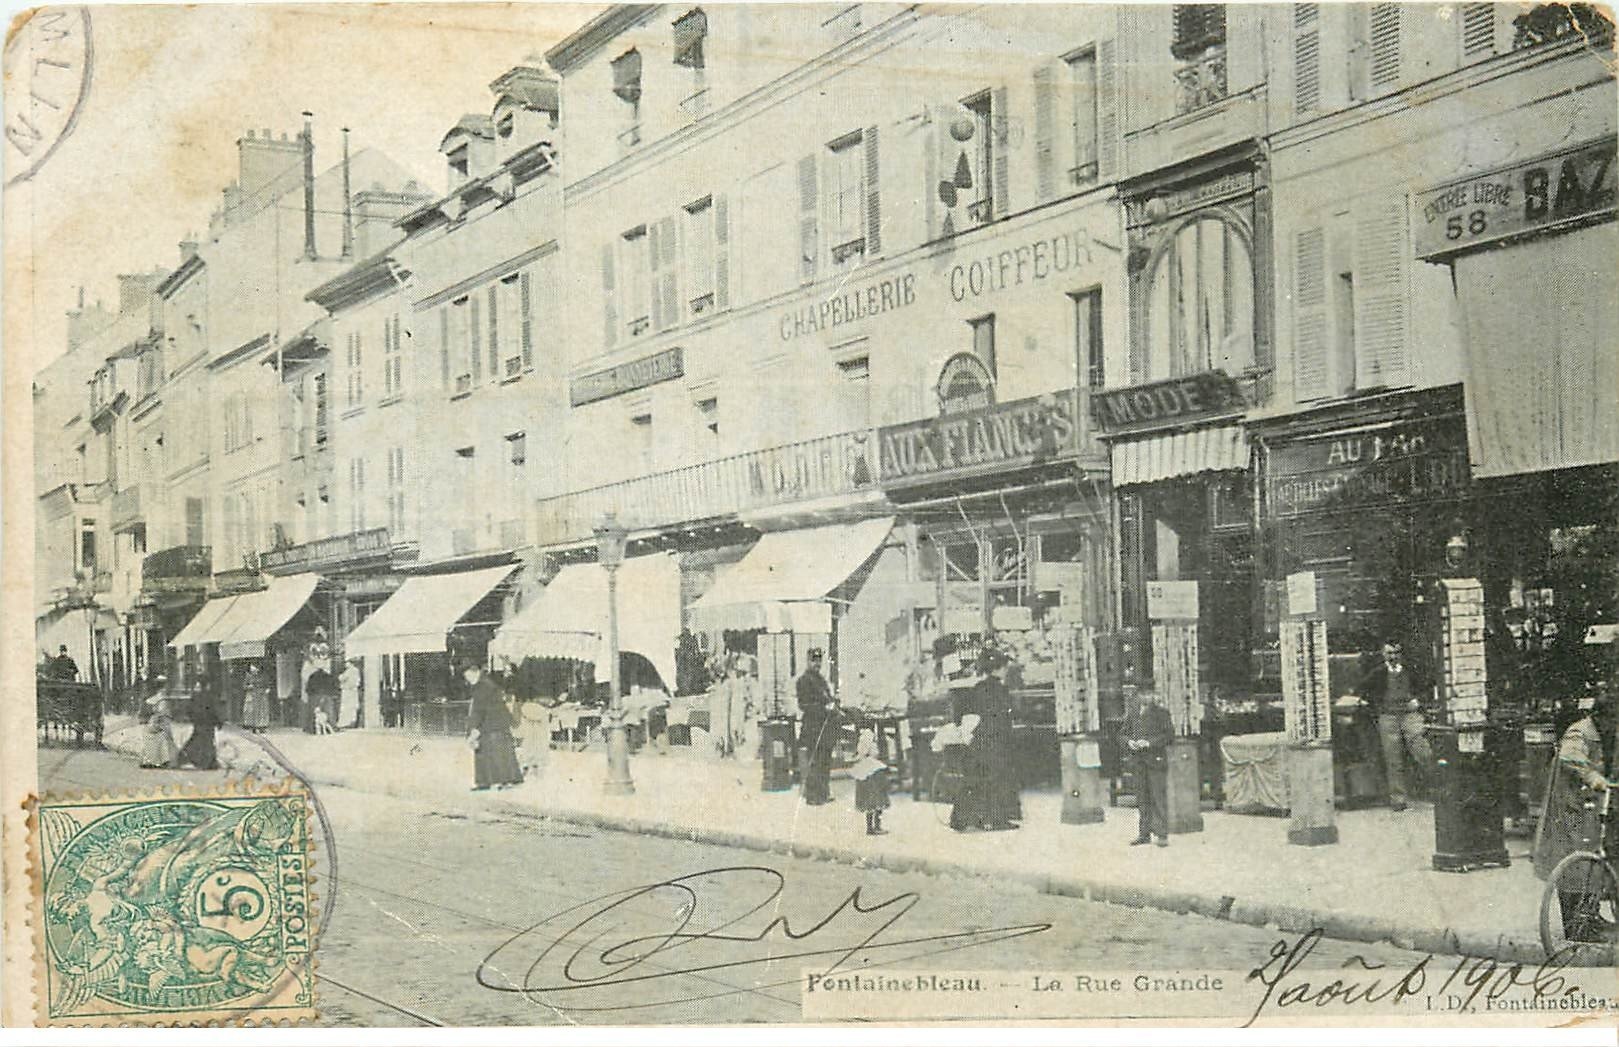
[(818, 729), (1580, 773), (1147, 732), (199, 749), (489, 732), (989, 790), (63, 667), (1394, 690)]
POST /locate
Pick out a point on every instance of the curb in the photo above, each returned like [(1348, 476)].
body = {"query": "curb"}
[(1343, 926)]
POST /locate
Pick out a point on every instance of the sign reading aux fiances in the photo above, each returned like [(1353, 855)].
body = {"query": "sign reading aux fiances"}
[(1022, 432), (1565, 186)]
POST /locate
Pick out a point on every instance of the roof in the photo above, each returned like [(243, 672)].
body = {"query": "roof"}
[(359, 282), (578, 45), (171, 283), (478, 125), (529, 86)]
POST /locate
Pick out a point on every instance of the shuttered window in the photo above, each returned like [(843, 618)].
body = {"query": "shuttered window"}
[(1045, 131), (526, 305), (1478, 30), (1310, 350), (722, 253), (1082, 95), (873, 186), (609, 298), (665, 274), (1380, 294), (1385, 43), (494, 333), (809, 238), (1306, 59)]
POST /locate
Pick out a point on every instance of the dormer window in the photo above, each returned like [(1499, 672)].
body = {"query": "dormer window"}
[(627, 86), (505, 125), (460, 164), (691, 29)]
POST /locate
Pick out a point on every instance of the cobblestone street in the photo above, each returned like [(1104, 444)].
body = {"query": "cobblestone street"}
[(426, 891)]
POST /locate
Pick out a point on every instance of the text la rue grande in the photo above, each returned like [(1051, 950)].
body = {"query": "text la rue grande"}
[(1118, 983)]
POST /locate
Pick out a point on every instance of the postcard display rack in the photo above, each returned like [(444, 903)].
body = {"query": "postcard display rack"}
[(1307, 712), (1078, 704), (1175, 678), (1468, 832)]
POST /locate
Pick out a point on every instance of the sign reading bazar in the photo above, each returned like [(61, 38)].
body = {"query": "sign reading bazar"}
[(1172, 402), (637, 374), (1565, 186), (1011, 435)]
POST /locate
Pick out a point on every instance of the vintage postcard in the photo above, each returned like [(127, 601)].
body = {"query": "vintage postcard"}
[(841, 514)]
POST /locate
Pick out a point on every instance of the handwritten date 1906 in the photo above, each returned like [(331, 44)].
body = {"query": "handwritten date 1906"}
[(674, 941)]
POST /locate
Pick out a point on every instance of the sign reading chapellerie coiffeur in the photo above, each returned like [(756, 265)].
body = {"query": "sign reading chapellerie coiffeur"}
[(1009, 435), (637, 374), (1172, 402), (881, 296), (1565, 186)]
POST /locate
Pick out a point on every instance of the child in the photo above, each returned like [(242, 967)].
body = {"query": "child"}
[(870, 783)]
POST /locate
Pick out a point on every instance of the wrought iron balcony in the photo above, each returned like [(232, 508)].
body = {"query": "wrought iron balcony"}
[(177, 562), (130, 505), (827, 466), (1200, 81)]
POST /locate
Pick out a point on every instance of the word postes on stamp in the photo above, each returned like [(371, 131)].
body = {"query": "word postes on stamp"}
[(179, 910)]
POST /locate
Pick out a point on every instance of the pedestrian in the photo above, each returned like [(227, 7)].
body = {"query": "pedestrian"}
[(63, 667), (870, 775), (157, 742), (818, 726), (1579, 774), (199, 749), (1147, 733), (1393, 689), (321, 690), (255, 699), (348, 687), (988, 796), (534, 724), (489, 733)]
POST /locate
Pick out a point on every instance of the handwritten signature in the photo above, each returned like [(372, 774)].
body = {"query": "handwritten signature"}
[(667, 942), (1476, 979)]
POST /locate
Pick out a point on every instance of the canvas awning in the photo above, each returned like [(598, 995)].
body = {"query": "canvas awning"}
[(203, 627), (1169, 455), (419, 616), (783, 581), (255, 617), (569, 619), (1542, 360)]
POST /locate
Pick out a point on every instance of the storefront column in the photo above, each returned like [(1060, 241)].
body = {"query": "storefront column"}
[(371, 670)]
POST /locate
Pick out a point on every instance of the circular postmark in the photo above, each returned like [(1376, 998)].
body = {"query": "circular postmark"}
[(48, 59), (177, 905)]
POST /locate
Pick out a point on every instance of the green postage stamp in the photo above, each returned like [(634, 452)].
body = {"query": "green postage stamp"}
[(174, 909)]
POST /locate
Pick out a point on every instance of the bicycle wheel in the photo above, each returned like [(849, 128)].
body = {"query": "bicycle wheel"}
[(1579, 909)]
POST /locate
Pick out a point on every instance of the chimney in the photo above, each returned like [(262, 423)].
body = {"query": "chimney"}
[(268, 168), (348, 202), (135, 290), (188, 250), (309, 186)]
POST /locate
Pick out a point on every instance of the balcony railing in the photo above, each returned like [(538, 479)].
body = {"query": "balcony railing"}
[(826, 466), (129, 506), (1200, 81), (179, 561)]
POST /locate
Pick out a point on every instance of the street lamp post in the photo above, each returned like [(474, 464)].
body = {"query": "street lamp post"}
[(610, 539)]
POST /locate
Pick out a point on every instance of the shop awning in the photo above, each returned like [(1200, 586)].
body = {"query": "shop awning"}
[(1169, 455), (255, 617), (1542, 359), (203, 627), (783, 581), (418, 617), (569, 619)]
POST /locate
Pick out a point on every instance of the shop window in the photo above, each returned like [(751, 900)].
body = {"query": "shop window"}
[(1083, 101), (1199, 50), (1089, 364), (1200, 305), (983, 333)]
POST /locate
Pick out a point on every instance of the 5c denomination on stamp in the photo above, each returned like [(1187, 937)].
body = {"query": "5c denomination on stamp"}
[(163, 910)]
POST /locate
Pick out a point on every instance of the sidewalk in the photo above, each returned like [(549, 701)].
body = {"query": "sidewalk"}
[(1376, 884)]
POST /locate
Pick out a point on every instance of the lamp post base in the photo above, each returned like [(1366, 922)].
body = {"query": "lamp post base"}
[(618, 781)]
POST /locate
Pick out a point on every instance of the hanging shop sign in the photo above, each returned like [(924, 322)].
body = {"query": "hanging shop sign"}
[(1024, 432), (880, 296), (637, 374), (965, 384), (1566, 186), (1173, 402), (337, 549), (1403, 462)]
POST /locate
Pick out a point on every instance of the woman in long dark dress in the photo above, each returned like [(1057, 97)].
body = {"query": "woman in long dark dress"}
[(989, 795), (199, 748), (489, 727)]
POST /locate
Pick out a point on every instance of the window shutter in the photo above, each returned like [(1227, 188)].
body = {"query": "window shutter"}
[(722, 253), (359, 370), (1045, 131), (669, 270), (609, 298), (1380, 295), (1385, 31), (874, 214), (1478, 30), (1002, 129), (494, 331), (932, 207), (654, 248), (1109, 110), (525, 296), (1311, 380), (474, 339), (444, 345), (1306, 59), (809, 236)]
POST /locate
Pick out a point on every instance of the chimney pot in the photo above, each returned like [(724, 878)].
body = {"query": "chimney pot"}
[(250, 132), (267, 133)]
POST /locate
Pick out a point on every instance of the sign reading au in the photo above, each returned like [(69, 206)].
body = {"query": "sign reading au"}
[(1510, 201)]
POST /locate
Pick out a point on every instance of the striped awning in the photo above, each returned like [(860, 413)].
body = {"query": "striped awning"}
[(1168, 455)]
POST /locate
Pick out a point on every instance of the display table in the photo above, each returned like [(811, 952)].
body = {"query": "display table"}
[(575, 722), (1255, 779), (437, 717)]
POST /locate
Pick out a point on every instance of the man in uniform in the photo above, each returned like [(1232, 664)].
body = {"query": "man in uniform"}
[(63, 667), (818, 729), (1147, 732)]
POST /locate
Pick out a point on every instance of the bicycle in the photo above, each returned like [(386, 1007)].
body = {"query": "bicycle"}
[(1588, 878)]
